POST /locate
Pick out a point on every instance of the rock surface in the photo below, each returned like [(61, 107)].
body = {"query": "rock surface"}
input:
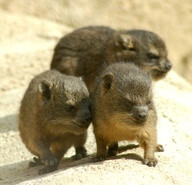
[(26, 44)]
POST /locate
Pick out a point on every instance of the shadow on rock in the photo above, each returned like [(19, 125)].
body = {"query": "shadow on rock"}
[(9, 123), (19, 172)]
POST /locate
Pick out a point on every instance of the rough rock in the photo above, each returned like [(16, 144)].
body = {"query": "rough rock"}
[(26, 44)]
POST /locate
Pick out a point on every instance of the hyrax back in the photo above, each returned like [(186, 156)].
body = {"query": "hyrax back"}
[(122, 109), (84, 52), (54, 115), (76, 47)]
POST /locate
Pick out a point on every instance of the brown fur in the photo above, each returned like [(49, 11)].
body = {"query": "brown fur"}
[(123, 94), (54, 115), (86, 51)]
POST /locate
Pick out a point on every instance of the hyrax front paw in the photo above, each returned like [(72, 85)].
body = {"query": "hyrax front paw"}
[(49, 160), (79, 156), (112, 150), (112, 153), (51, 164), (80, 153), (150, 162)]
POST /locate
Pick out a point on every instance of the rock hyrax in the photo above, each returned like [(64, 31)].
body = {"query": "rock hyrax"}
[(123, 109), (54, 115), (84, 52), (156, 60)]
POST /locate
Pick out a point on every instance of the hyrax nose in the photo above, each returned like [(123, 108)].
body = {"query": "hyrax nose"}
[(168, 66), (87, 117), (142, 115)]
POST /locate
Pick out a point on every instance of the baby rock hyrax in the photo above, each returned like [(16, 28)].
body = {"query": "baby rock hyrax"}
[(54, 115), (123, 109), (86, 51)]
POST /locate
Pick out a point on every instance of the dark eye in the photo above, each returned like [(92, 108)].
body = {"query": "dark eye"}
[(132, 49), (70, 108), (129, 104), (149, 102), (129, 49), (152, 56)]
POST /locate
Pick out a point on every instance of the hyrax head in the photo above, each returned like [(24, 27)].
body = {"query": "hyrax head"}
[(64, 102), (155, 53), (144, 48), (127, 91)]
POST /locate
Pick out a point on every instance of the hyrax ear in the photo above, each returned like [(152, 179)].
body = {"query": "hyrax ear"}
[(45, 88), (127, 41), (108, 80)]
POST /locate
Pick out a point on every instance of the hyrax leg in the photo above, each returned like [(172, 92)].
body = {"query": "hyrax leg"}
[(101, 149), (45, 156), (58, 149), (41, 149), (149, 157), (112, 150), (80, 151), (149, 145)]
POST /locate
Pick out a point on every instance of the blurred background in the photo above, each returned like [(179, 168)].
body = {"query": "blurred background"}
[(34, 27)]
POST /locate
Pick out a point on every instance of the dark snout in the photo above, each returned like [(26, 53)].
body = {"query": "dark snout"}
[(168, 65), (140, 113), (164, 67), (86, 118)]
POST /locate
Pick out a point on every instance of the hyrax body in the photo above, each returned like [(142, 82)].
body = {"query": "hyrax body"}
[(54, 115), (86, 51), (123, 109)]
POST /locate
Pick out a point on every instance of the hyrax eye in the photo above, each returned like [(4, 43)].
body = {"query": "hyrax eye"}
[(149, 102), (70, 108), (129, 103), (153, 56), (132, 49)]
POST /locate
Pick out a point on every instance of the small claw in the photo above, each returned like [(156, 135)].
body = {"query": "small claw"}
[(77, 157), (150, 162), (36, 162), (50, 162), (159, 148)]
